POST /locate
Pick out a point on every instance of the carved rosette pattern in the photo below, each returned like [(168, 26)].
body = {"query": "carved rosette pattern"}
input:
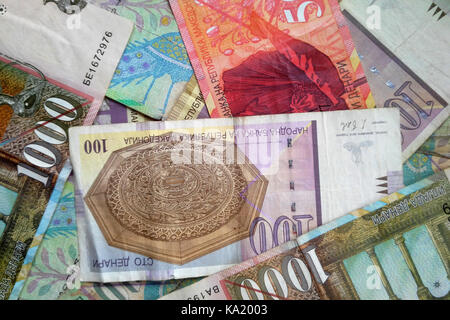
[(152, 196)]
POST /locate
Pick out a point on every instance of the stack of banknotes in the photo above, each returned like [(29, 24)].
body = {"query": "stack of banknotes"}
[(224, 149)]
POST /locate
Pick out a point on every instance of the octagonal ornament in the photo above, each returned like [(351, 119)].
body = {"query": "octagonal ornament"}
[(159, 200)]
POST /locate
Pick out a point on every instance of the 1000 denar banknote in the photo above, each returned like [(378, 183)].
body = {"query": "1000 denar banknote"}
[(396, 248), (59, 248), (189, 198), (51, 77)]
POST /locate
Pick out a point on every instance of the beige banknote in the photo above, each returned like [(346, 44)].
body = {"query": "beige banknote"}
[(179, 199), (396, 248)]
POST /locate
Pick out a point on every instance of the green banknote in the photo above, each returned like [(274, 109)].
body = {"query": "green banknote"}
[(431, 157), (396, 248), (155, 67)]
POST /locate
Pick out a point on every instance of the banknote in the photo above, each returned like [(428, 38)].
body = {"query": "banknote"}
[(47, 83), (389, 79), (269, 57), (55, 270), (396, 248), (155, 66), (443, 130), (404, 62), (254, 183), (438, 143), (438, 146), (421, 165), (80, 45), (110, 112), (150, 290), (190, 104), (33, 151), (114, 112), (431, 157)]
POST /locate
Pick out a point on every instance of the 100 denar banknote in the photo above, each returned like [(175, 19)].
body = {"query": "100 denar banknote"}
[(55, 270), (256, 182), (430, 158), (405, 59), (396, 248)]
